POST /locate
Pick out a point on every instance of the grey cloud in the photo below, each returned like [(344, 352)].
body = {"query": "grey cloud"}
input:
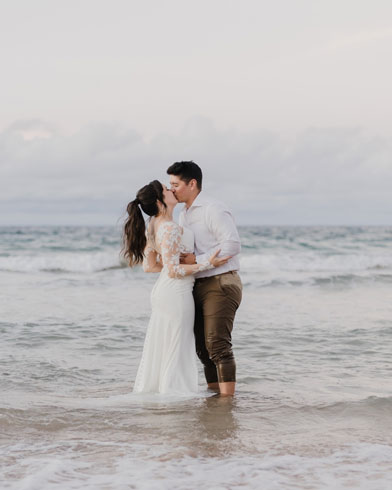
[(322, 175)]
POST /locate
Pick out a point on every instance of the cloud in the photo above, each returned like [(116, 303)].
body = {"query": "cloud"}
[(322, 175), (358, 39)]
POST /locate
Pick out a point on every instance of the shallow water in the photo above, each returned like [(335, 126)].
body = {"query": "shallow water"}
[(312, 341)]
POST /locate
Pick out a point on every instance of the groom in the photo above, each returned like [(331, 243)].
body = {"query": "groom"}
[(217, 292)]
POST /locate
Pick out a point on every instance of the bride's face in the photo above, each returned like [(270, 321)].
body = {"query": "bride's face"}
[(169, 197)]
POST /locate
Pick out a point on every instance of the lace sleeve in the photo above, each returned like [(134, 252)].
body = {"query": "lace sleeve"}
[(170, 243)]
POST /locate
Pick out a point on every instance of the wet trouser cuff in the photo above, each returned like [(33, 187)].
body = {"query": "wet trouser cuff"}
[(211, 374), (226, 371), (222, 372)]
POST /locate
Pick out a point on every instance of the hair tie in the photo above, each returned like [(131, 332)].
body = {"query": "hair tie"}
[(137, 201)]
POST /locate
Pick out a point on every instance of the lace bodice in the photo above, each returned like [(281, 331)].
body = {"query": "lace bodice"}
[(170, 241)]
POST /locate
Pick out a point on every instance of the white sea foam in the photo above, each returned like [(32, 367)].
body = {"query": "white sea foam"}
[(67, 262), (260, 262), (362, 466)]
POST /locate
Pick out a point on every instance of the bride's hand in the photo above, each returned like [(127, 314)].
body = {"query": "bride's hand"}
[(218, 261)]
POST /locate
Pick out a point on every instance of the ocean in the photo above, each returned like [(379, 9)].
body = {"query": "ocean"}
[(312, 340)]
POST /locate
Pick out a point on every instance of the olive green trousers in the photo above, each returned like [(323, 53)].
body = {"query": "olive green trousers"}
[(217, 299)]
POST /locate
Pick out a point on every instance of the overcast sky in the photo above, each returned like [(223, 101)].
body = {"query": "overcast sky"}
[(286, 106)]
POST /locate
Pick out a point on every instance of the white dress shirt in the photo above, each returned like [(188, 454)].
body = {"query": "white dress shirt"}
[(213, 226)]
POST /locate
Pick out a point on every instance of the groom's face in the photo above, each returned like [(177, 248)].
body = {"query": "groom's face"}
[(181, 189)]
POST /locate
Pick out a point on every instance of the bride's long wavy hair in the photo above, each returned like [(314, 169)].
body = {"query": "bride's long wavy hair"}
[(134, 234)]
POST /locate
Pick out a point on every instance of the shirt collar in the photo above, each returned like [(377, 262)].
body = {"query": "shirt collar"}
[(199, 201)]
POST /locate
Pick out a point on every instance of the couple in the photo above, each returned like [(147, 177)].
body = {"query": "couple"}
[(198, 290)]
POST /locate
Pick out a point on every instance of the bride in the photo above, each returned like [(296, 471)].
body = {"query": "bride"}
[(168, 363)]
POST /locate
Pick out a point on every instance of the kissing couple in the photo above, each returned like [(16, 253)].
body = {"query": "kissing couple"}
[(198, 290)]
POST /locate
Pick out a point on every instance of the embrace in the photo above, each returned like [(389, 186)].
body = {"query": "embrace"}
[(198, 291)]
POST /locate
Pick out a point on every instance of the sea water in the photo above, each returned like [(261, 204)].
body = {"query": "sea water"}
[(312, 340)]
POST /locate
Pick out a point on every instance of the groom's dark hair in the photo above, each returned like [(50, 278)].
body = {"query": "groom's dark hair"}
[(187, 171)]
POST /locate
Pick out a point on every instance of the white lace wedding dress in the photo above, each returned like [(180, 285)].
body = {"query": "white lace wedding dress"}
[(169, 363)]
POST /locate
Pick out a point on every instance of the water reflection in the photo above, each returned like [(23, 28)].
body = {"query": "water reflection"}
[(201, 427), (215, 427), (216, 417)]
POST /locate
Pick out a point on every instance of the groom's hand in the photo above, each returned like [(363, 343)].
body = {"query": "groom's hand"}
[(187, 259)]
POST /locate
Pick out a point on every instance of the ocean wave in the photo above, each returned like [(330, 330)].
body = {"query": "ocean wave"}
[(311, 280), (335, 268), (311, 262), (69, 262), (371, 404), (363, 466)]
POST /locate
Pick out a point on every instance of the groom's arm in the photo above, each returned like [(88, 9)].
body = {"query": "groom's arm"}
[(220, 223)]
